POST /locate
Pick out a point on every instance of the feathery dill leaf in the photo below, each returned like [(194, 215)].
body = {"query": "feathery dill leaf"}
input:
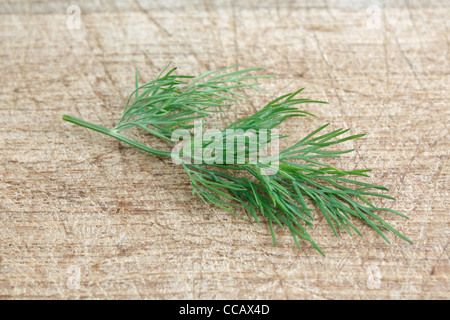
[(297, 176), (163, 105)]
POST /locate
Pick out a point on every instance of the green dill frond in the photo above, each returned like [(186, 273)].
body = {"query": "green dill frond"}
[(277, 188), (169, 102), (274, 113)]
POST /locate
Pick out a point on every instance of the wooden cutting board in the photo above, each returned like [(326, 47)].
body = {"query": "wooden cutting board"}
[(84, 216)]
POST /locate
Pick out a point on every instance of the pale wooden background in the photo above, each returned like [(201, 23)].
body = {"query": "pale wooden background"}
[(76, 205)]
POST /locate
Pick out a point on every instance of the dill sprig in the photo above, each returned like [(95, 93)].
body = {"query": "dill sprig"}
[(278, 187), (161, 106)]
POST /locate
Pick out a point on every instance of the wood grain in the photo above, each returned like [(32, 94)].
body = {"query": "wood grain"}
[(83, 216)]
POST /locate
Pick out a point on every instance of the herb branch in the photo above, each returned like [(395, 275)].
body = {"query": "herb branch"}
[(173, 102)]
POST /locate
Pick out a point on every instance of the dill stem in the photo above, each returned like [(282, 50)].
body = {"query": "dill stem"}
[(114, 134)]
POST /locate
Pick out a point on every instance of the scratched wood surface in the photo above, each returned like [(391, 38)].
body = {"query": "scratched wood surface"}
[(84, 216)]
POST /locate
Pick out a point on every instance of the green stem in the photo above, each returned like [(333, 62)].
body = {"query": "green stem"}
[(115, 135)]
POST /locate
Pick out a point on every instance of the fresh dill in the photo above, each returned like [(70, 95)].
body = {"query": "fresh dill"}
[(297, 176)]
